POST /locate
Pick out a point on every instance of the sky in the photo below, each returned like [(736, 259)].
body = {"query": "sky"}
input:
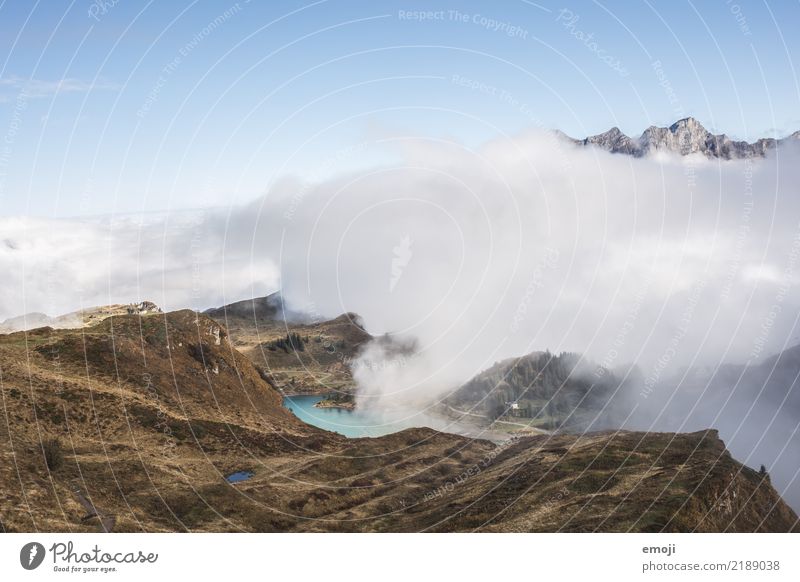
[(116, 107)]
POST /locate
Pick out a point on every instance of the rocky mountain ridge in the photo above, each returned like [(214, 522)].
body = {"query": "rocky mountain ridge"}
[(684, 137)]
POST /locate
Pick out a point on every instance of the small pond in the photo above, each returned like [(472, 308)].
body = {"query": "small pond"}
[(238, 476)]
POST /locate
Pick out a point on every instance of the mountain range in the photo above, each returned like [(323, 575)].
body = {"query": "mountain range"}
[(684, 137)]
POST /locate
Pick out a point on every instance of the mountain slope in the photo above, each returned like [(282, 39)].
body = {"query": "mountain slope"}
[(542, 390), (301, 355), (151, 413)]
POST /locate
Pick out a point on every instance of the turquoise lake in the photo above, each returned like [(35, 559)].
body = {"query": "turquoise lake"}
[(360, 422)]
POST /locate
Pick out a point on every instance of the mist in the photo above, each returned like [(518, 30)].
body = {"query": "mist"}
[(661, 265), (529, 243), (523, 244)]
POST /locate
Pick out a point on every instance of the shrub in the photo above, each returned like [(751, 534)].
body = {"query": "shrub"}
[(292, 342)]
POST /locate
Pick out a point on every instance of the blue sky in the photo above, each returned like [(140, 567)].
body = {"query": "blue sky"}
[(117, 107)]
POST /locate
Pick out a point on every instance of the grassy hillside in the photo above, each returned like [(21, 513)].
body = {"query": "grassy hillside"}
[(132, 425)]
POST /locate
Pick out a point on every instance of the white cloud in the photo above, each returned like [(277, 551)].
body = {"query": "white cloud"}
[(522, 245), (58, 266), (674, 241), (10, 87)]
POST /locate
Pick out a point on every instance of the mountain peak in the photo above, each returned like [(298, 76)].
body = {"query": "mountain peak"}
[(612, 140), (614, 131), (688, 123)]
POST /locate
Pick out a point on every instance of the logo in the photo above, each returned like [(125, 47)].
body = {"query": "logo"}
[(31, 555)]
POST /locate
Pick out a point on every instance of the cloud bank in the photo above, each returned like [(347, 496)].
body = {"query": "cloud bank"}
[(59, 266), (528, 244), (523, 244)]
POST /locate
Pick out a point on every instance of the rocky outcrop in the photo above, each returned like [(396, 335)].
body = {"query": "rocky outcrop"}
[(684, 137)]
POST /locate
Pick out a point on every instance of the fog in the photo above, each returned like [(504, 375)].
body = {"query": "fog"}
[(526, 243), (529, 243), (174, 259)]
